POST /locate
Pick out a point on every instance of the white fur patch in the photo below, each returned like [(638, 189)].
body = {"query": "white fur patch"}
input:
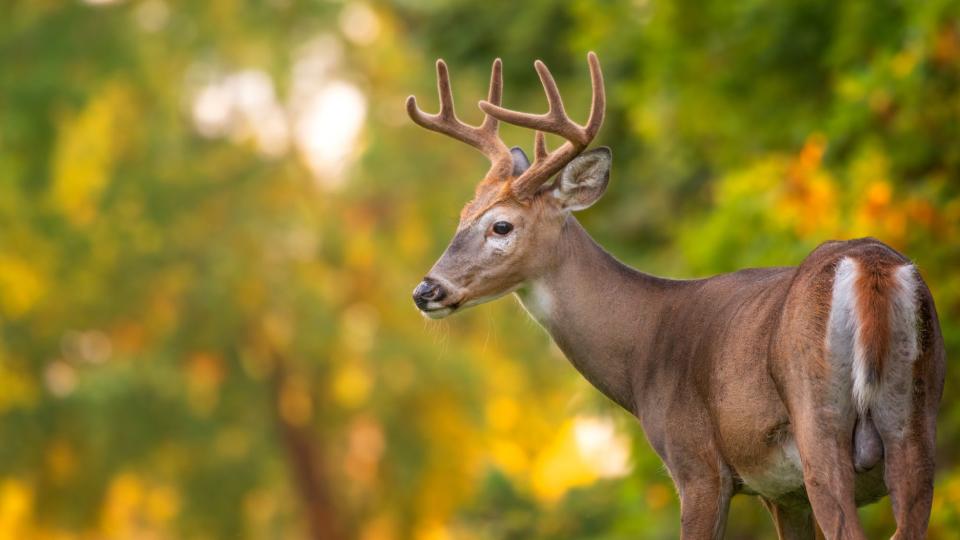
[(538, 301), (501, 244), (904, 316), (841, 332), (781, 473)]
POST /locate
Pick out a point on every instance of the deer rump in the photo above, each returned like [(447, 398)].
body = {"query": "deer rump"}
[(872, 346)]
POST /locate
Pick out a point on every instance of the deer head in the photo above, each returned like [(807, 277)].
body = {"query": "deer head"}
[(509, 232)]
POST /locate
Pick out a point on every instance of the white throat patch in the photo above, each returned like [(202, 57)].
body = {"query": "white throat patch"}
[(538, 301)]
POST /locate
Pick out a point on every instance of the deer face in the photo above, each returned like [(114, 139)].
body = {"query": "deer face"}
[(490, 255), (510, 231), (502, 241)]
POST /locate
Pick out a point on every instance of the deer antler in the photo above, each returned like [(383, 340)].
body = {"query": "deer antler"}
[(555, 121), (483, 137)]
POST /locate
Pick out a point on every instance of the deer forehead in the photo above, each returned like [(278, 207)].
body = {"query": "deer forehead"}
[(489, 193), (485, 204)]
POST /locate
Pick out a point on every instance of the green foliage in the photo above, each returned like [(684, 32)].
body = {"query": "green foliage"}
[(205, 323)]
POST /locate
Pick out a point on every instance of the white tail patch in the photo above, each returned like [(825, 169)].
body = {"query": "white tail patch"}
[(844, 337), (842, 327), (903, 320)]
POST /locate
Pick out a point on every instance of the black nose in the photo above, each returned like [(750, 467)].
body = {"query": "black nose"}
[(428, 291)]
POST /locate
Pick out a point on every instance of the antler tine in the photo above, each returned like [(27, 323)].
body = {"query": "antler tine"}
[(555, 121), (598, 104), (444, 91), (483, 137), (539, 146), (556, 117), (554, 101), (494, 95)]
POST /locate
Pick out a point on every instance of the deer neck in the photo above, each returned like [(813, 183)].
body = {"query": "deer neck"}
[(600, 312)]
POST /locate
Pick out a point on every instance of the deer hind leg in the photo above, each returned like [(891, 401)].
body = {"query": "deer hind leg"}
[(904, 405), (704, 505), (828, 474), (816, 377), (908, 474), (792, 523), (703, 480)]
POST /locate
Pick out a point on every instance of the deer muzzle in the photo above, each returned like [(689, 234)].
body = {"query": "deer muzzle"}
[(429, 296)]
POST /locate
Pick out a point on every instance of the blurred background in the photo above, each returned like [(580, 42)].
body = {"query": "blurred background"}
[(212, 215)]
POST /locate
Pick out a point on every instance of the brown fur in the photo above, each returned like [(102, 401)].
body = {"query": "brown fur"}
[(489, 193), (874, 285)]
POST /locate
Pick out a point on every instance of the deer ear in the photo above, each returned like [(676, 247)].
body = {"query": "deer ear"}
[(584, 179), (520, 160)]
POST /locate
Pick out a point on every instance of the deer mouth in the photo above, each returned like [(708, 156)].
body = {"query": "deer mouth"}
[(435, 310), (438, 313)]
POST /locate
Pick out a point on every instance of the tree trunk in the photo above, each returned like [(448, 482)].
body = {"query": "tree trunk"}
[(304, 458)]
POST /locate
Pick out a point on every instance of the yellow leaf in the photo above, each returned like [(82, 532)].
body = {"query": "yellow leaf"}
[(162, 504), (120, 507), (17, 389), (16, 507), (21, 286), (351, 385), (87, 146), (502, 413)]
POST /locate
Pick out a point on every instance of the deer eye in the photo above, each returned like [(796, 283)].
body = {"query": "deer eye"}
[(502, 227)]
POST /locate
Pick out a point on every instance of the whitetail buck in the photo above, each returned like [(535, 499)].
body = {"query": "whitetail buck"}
[(815, 387)]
